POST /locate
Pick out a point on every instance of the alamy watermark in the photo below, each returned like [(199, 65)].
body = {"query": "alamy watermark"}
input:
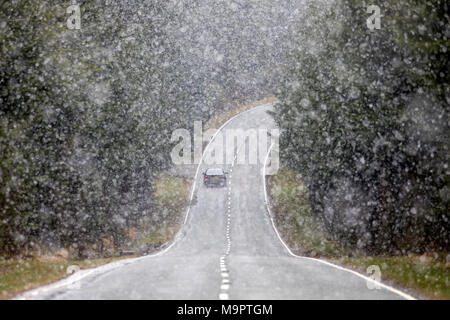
[(374, 273), (227, 146), (74, 20), (374, 21), (76, 285)]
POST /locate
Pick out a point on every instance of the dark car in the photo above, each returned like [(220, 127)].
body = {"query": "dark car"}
[(215, 177)]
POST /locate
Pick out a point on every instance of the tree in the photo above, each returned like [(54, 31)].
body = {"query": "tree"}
[(362, 117)]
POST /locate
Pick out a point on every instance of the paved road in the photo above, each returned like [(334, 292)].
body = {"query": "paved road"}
[(227, 249)]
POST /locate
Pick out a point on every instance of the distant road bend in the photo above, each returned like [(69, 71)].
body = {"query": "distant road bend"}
[(227, 249)]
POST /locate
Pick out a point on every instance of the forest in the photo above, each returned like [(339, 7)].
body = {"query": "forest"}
[(363, 115), (86, 115)]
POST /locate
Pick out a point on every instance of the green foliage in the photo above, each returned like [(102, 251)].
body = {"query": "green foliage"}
[(426, 275), (295, 219), (86, 120), (364, 118), (87, 115)]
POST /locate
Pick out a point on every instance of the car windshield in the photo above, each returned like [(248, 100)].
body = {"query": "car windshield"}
[(214, 172)]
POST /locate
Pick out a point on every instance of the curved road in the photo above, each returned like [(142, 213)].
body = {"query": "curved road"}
[(227, 249)]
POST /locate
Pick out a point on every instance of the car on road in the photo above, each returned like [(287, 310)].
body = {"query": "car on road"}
[(216, 177)]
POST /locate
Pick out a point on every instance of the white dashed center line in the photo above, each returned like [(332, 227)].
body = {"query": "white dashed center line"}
[(225, 286), (223, 296)]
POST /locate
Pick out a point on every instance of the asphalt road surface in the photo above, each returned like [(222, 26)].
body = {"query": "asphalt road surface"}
[(227, 249)]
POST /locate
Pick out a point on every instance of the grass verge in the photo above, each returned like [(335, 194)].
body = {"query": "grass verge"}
[(294, 217), (426, 275), (171, 194), (171, 198), (18, 275)]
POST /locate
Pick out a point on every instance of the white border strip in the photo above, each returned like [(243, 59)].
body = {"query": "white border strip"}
[(120, 263), (71, 280), (400, 293)]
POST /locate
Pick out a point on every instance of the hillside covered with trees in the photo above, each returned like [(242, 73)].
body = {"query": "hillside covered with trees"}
[(86, 115), (364, 120)]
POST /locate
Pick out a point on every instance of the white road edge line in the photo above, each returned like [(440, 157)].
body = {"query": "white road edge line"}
[(116, 264), (389, 288)]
